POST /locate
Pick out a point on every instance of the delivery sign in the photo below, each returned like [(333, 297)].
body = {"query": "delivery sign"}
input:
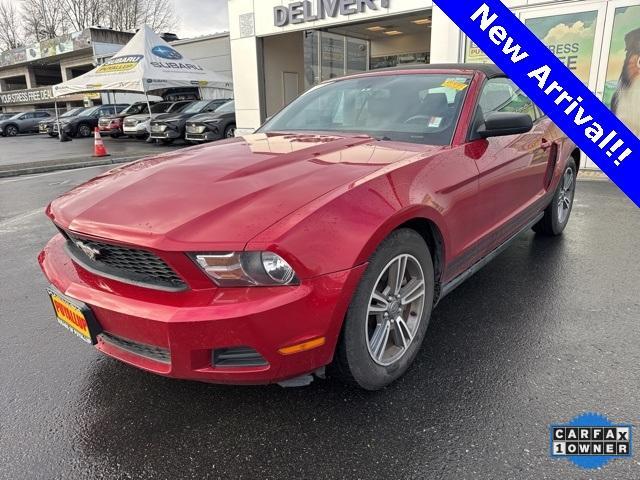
[(553, 87)]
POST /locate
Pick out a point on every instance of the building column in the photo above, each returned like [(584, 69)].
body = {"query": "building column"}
[(444, 32), (30, 77), (246, 60), (3, 85)]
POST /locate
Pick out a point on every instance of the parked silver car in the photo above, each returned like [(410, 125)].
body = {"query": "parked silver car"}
[(138, 125), (26, 122)]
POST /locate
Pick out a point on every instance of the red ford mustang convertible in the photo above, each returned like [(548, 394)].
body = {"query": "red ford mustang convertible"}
[(324, 239)]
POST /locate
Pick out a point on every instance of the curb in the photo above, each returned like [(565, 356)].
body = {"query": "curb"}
[(30, 170)]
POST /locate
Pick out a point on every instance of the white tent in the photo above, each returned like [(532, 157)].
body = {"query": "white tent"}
[(146, 64)]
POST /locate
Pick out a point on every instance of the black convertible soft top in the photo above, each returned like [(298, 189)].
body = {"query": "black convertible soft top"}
[(489, 69)]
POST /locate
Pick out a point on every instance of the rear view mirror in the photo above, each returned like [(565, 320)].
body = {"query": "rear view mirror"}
[(499, 124)]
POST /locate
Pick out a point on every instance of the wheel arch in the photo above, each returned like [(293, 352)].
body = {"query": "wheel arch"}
[(12, 125), (576, 154), (424, 221)]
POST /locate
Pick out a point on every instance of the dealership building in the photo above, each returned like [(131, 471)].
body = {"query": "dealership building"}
[(281, 48)]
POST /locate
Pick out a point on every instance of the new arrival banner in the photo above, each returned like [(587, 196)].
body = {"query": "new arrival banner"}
[(554, 87)]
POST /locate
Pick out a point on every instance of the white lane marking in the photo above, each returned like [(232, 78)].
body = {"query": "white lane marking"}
[(13, 223), (58, 172)]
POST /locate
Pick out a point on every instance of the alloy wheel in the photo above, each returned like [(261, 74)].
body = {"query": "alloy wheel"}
[(567, 191), (395, 310), (84, 131), (12, 131)]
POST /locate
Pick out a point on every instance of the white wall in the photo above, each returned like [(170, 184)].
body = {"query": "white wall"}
[(285, 53), (213, 53)]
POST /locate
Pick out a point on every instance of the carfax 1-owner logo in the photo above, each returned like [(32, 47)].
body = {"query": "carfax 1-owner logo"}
[(591, 440)]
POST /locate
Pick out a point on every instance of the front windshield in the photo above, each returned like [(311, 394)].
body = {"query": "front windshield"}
[(195, 107), (16, 116), (136, 109), (72, 113), (179, 107), (228, 107), (417, 108), (89, 111), (161, 107)]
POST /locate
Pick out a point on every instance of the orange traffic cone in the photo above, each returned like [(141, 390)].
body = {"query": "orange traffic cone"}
[(99, 149)]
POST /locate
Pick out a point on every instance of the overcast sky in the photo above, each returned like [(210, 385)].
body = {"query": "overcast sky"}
[(201, 17)]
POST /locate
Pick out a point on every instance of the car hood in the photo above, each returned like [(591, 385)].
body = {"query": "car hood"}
[(219, 196), (205, 117), (174, 117), (144, 116)]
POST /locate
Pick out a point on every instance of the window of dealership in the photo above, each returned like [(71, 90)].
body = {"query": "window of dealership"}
[(280, 48)]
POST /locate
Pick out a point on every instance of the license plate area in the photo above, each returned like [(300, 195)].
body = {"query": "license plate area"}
[(75, 316)]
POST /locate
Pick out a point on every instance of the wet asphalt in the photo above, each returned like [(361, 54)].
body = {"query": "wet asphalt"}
[(549, 330)]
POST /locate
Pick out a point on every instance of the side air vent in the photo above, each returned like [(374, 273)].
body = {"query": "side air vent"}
[(237, 357)]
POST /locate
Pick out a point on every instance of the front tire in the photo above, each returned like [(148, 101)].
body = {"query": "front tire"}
[(556, 215), (11, 131), (230, 131), (389, 313), (84, 131)]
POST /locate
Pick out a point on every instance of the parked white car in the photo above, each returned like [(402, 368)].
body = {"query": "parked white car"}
[(138, 125)]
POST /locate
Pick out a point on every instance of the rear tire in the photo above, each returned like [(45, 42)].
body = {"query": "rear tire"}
[(557, 214), (387, 319)]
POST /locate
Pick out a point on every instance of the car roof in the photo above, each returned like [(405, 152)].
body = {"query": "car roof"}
[(489, 69)]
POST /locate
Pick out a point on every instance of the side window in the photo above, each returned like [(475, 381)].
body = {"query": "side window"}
[(502, 95), (43, 115), (106, 111), (27, 116)]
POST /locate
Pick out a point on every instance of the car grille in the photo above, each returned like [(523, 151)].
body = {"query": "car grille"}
[(128, 265), (148, 351)]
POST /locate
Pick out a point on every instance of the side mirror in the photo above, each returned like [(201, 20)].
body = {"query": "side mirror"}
[(500, 124)]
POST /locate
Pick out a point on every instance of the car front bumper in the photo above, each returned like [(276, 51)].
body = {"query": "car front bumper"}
[(187, 327), (207, 136), (139, 129), (168, 134)]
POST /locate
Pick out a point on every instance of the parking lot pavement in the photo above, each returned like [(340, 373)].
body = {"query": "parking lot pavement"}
[(545, 332), (41, 150)]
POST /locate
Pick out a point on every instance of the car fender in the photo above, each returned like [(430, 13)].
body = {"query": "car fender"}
[(354, 220)]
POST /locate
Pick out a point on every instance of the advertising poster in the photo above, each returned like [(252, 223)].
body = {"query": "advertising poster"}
[(570, 37), (622, 87), (473, 54)]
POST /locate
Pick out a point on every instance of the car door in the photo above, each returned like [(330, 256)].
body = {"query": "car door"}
[(26, 121), (512, 168)]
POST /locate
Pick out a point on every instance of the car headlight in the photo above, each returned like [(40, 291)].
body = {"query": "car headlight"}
[(241, 269)]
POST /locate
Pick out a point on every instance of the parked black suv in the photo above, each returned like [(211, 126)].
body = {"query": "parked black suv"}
[(210, 126), (46, 126), (171, 126), (84, 124)]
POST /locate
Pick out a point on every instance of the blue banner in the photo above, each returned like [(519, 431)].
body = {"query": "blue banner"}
[(553, 87)]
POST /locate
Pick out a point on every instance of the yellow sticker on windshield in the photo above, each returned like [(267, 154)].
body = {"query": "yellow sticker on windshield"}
[(455, 84)]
